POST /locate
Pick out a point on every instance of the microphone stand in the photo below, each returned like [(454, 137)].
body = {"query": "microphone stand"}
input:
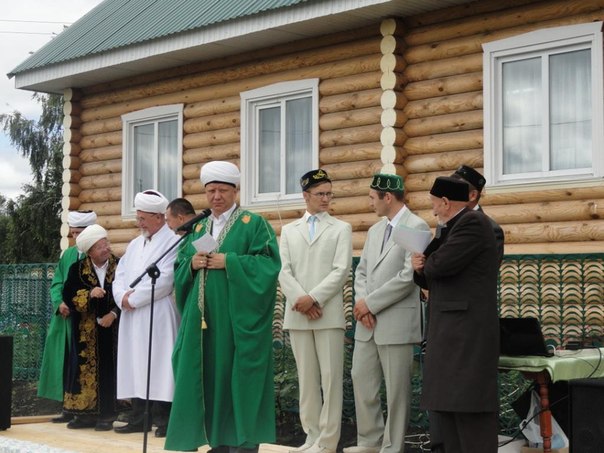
[(153, 272)]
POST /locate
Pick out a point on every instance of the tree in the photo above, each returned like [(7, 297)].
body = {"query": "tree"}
[(32, 231)]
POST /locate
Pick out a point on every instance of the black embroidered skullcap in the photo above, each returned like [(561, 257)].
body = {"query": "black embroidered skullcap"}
[(470, 175), (312, 178)]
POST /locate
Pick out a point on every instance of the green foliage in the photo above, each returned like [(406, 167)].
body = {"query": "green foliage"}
[(29, 225)]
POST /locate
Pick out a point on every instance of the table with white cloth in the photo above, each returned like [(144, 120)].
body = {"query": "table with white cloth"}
[(564, 365)]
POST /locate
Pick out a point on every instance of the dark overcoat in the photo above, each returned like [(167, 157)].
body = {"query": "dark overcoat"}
[(461, 271)]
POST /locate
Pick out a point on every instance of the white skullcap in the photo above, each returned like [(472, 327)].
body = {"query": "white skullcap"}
[(151, 201), (81, 219), (220, 171), (90, 236)]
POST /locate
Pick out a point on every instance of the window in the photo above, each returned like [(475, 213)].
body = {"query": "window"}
[(543, 106), (152, 153), (279, 142)]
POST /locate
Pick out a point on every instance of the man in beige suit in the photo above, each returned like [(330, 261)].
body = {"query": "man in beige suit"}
[(387, 310), (316, 255)]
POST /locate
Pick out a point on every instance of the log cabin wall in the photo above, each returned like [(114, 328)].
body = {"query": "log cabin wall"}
[(445, 121), (402, 96)]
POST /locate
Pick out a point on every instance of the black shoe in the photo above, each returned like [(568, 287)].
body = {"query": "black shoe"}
[(63, 418), (161, 431), (129, 428), (79, 423), (103, 426)]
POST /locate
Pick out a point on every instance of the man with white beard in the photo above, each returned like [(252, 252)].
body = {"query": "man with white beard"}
[(156, 237)]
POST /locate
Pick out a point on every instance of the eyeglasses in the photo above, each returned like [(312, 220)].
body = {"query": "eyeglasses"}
[(322, 194)]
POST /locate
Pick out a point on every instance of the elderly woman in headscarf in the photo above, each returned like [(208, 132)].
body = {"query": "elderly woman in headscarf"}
[(91, 382)]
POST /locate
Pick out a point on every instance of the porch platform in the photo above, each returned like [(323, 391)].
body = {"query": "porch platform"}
[(38, 434)]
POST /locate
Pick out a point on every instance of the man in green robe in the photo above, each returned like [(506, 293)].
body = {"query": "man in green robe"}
[(52, 371), (225, 289)]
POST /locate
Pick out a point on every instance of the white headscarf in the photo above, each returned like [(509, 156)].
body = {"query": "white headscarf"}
[(81, 219), (90, 236), (220, 171), (151, 201)]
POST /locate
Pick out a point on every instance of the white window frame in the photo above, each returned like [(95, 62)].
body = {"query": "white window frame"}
[(129, 121), (588, 35), (250, 101)]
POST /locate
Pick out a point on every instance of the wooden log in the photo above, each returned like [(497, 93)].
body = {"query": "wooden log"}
[(444, 68), (350, 136), (337, 69), (350, 205), (350, 118), (395, 81), (418, 194), (446, 161), (393, 118), (112, 222), (584, 231), (101, 167), (103, 208), (71, 95), (102, 140), (561, 247), (352, 83), (71, 162), (70, 204), (99, 195), (454, 141), (71, 149), (392, 45), (392, 27), (452, 122), (70, 190), (72, 108), (444, 86), (391, 136), (101, 181), (393, 154), (71, 122), (316, 57), (349, 170), (391, 63), (101, 154), (72, 135), (212, 138), (212, 122), (228, 151), (444, 105), (123, 235), (533, 13), (71, 175), (391, 99), (101, 126), (546, 212), (350, 101), (350, 153), (351, 187), (212, 107), (285, 215)]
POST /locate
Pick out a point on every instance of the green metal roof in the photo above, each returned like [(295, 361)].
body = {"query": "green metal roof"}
[(115, 24)]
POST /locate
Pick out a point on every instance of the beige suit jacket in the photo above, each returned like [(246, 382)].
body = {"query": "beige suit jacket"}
[(385, 280), (319, 268)]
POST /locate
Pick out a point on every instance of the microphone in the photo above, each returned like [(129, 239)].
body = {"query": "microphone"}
[(188, 226)]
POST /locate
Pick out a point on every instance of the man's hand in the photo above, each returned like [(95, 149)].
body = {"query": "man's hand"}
[(97, 292), (303, 303), (368, 321), (199, 261), (418, 260), (314, 312), (125, 301), (216, 261), (360, 309), (107, 320), (63, 310)]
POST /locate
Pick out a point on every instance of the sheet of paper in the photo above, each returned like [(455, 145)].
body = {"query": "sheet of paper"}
[(411, 239), (205, 244)]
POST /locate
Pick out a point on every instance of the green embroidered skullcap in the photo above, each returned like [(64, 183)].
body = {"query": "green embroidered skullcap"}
[(387, 183)]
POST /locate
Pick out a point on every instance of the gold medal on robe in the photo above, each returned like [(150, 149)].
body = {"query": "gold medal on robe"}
[(203, 324)]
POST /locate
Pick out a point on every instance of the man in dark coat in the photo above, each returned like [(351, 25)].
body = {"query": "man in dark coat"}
[(460, 270)]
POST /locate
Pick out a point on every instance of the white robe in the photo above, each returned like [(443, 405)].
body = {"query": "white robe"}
[(133, 337)]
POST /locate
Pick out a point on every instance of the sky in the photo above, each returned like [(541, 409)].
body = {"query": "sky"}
[(25, 26)]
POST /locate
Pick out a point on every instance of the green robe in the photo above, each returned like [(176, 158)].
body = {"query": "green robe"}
[(225, 395), (58, 336)]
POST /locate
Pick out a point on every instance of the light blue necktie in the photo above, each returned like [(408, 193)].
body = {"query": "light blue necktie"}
[(311, 226), (387, 232)]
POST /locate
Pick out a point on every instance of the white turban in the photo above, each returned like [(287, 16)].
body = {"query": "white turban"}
[(151, 201), (81, 219), (220, 171), (90, 236)]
